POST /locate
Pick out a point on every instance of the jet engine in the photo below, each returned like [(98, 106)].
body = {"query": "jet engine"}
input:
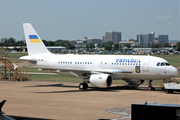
[(99, 80), (134, 81)]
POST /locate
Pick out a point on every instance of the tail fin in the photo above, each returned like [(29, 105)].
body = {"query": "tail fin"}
[(33, 41)]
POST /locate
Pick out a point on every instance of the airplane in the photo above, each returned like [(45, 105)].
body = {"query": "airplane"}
[(97, 70), (2, 116)]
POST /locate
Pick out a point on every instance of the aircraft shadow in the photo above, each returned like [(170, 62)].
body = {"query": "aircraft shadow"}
[(111, 89), (54, 85), (27, 118)]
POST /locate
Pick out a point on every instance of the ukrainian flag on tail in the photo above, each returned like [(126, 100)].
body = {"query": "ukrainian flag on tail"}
[(34, 39)]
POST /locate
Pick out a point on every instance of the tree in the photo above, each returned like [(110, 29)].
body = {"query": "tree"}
[(116, 47), (178, 46), (48, 43), (108, 47), (10, 42), (20, 43), (64, 43), (128, 45), (90, 45)]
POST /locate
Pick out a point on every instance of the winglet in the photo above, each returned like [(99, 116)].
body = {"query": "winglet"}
[(1, 105)]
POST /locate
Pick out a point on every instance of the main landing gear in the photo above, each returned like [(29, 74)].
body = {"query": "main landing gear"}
[(83, 86)]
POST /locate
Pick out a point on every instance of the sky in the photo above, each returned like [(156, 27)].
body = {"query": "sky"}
[(76, 19)]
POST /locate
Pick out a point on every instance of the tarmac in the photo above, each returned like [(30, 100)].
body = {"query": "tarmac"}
[(64, 101)]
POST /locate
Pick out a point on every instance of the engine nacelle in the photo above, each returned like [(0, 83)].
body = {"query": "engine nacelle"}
[(100, 80), (134, 81)]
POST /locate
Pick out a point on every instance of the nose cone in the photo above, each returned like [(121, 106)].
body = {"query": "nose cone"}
[(174, 71)]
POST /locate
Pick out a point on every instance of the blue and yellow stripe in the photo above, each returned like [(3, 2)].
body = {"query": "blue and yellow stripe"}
[(34, 39)]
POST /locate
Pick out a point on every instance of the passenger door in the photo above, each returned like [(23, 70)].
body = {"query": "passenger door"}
[(145, 67)]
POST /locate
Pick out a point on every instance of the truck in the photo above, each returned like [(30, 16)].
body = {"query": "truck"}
[(171, 87)]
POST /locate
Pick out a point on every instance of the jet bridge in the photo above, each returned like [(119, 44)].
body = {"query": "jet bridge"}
[(9, 70)]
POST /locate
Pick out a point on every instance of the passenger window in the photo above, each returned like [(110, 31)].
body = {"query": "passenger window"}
[(158, 64), (162, 64)]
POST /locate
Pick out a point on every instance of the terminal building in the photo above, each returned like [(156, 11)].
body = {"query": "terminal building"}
[(93, 40), (130, 41)]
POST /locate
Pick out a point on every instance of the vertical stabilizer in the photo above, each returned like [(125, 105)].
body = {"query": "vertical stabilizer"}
[(33, 41)]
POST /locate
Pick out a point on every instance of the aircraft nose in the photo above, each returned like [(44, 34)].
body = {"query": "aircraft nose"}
[(174, 71)]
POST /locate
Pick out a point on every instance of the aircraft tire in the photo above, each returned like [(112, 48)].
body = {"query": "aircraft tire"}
[(83, 86), (167, 91)]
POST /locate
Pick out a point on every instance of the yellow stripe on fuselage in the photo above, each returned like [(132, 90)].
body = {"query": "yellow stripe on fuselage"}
[(35, 40)]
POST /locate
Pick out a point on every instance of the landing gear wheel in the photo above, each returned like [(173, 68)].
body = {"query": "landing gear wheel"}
[(83, 86), (167, 91)]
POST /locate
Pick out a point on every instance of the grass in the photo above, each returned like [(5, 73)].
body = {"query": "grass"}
[(15, 55), (174, 60), (60, 78)]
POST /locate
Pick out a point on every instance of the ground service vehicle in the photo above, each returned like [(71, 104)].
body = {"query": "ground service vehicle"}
[(170, 87)]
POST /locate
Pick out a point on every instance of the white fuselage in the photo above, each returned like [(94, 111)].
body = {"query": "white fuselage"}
[(119, 66)]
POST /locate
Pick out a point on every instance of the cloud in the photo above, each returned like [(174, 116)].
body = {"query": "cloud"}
[(170, 23), (163, 18)]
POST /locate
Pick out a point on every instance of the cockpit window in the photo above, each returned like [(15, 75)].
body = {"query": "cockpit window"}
[(167, 64), (158, 64), (162, 64)]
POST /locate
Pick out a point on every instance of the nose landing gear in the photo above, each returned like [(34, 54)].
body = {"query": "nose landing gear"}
[(150, 85)]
